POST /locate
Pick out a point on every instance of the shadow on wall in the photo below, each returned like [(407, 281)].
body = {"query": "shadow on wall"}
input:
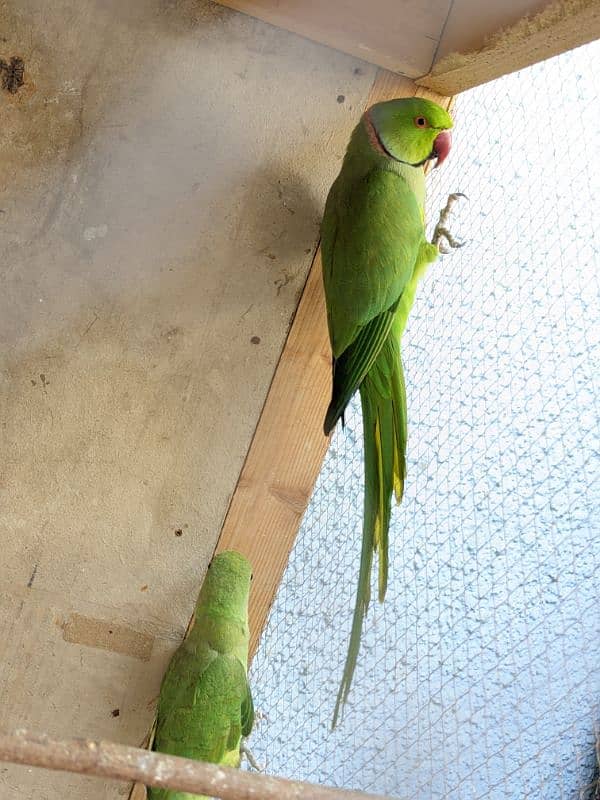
[(122, 154)]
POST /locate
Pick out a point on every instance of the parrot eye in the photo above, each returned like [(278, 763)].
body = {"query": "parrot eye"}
[(421, 122)]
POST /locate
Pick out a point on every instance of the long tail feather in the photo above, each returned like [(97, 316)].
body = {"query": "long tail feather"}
[(383, 400), (400, 428), (363, 590)]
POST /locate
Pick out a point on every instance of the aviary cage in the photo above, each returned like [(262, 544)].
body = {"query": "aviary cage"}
[(479, 676)]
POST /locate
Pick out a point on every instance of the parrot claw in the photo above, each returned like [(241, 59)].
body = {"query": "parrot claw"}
[(246, 753), (441, 231), (444, 233)]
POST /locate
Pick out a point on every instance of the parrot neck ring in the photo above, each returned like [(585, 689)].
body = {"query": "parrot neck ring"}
[(378, 145)]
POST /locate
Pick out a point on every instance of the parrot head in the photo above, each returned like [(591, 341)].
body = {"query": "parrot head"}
[(411, 130), (226, 586)]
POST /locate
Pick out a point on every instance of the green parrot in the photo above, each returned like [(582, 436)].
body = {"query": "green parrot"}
[(374, 252), (205, 705)]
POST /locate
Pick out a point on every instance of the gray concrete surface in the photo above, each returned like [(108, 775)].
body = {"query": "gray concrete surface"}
[(162, 172)]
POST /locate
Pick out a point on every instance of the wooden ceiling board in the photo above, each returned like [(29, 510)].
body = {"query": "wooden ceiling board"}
[(399, 35)]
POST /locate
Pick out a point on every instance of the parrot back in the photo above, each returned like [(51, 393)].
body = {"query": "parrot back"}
[(205, 704)]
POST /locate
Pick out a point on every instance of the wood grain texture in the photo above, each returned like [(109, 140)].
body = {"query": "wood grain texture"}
[(560, 27), (288, 447)]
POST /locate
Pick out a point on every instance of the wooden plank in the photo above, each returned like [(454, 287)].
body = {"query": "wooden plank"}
[(288, 447), (402, 40), (561, 26)]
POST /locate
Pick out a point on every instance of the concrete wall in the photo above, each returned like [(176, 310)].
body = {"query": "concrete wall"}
[(162, 173)]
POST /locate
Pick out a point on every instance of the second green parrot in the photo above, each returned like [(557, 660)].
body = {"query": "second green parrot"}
[(205, 705), (374, 252)]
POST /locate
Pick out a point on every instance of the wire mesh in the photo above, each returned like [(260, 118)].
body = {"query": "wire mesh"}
[(479, 676)]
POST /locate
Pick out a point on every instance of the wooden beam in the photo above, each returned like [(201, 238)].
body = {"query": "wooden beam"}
[(288, 447), (561, 26)]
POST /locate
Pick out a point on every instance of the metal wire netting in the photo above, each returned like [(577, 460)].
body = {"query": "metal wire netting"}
[(479, 677)]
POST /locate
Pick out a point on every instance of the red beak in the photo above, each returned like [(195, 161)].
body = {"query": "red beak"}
[(441, 146)]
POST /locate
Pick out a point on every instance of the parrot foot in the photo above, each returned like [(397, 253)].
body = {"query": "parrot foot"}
[(246, 753), (441, 231)]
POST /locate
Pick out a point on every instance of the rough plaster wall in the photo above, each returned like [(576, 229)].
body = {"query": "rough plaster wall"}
[(162, 173)]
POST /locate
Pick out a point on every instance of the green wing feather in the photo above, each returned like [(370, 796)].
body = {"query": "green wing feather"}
[(350, 369), (371, 232), (247, 712), (205, 704)]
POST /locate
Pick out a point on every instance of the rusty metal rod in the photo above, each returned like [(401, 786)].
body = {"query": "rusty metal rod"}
[(116, 761)]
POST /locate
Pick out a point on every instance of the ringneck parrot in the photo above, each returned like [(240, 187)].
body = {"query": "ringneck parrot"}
[(374, 252), (205, 705)]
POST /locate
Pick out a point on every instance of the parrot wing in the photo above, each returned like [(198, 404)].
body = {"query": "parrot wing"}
[(354, 363), (371, 234), (201, 711)]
